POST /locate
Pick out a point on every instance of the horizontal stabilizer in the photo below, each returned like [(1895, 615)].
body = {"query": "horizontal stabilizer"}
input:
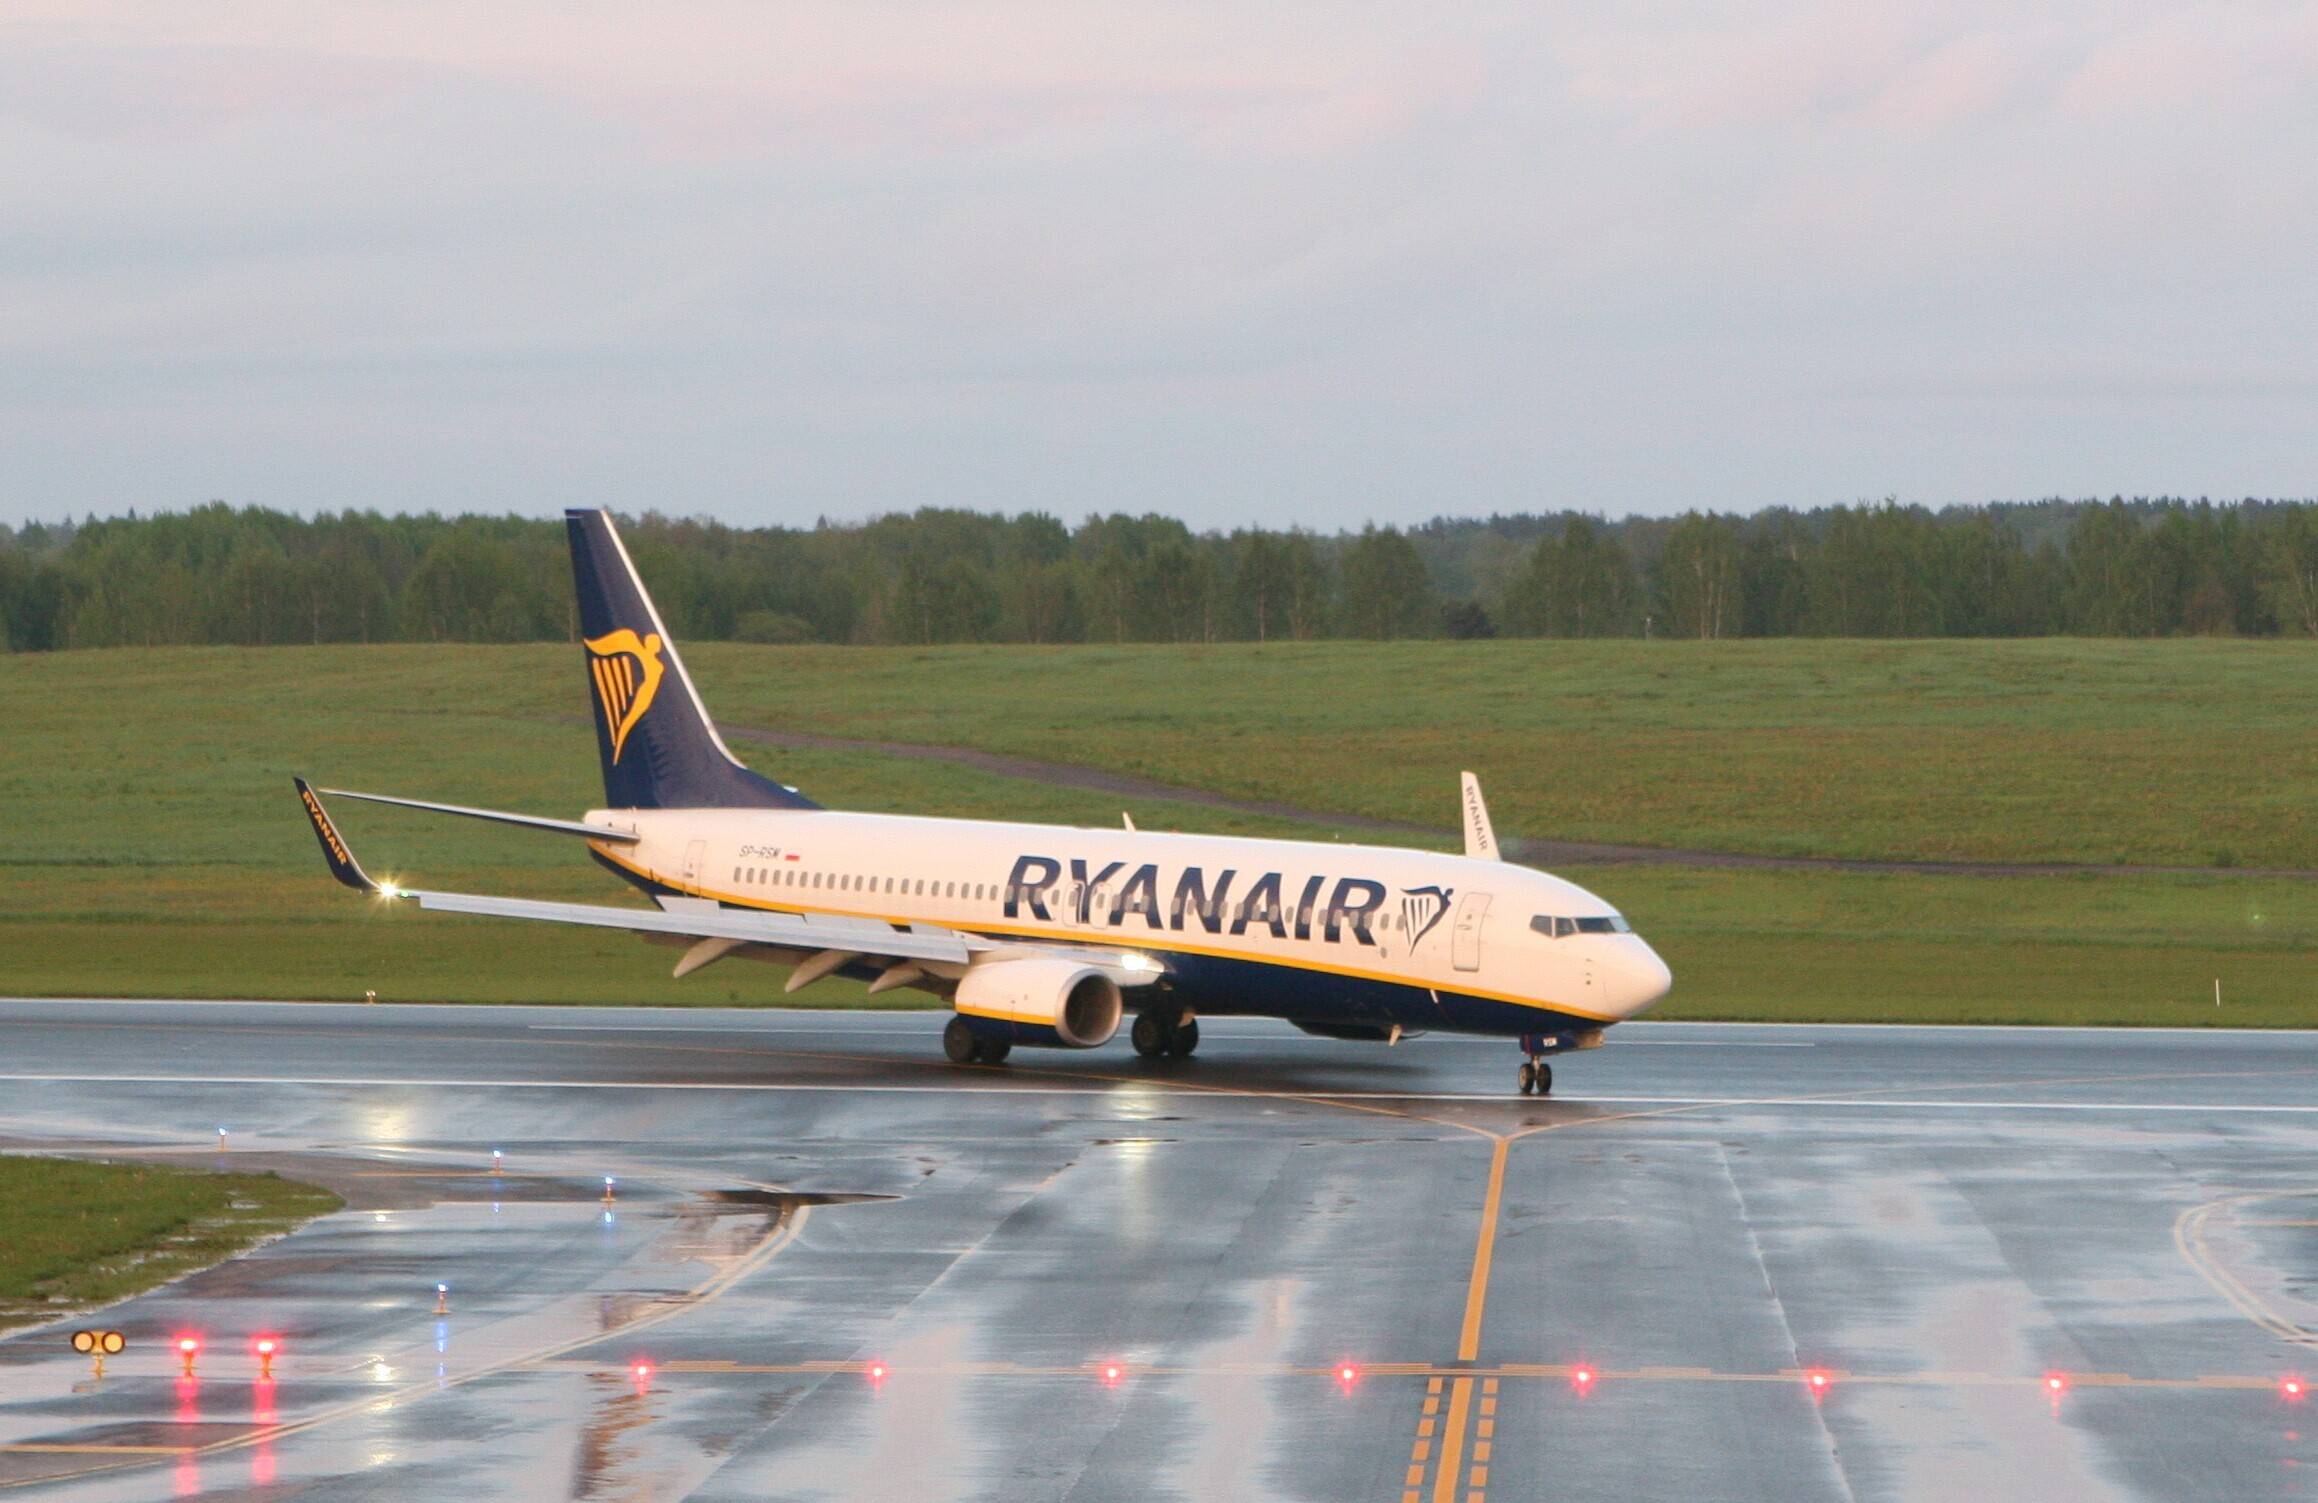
[(495, 816)]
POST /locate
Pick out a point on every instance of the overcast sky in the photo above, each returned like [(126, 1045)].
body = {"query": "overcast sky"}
[(1299, 262)]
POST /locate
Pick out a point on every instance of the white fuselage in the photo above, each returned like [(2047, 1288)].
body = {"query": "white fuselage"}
[(1495, 947)]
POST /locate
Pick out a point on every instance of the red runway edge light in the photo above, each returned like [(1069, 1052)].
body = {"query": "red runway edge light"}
[(2292, 1388), (188, 1348), (266, 1347), (1347, 1374), (876, 1373), (1582, 1378)]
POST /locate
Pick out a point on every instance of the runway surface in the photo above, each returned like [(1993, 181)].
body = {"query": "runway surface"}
[(2043, 1264)]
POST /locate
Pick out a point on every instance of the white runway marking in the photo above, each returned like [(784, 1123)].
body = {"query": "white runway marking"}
[(1162, 1088)]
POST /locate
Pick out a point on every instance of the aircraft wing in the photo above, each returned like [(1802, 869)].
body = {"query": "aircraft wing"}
[(829, 939), (785, 931)]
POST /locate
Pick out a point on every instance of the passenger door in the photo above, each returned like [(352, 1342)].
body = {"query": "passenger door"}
[(1465, 936)]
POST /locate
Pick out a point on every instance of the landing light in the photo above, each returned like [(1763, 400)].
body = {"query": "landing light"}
[(389, 890)]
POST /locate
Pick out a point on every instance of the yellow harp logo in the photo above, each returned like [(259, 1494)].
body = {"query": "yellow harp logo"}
[(626, 669)]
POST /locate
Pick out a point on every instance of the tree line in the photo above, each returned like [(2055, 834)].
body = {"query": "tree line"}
[(220, 574)]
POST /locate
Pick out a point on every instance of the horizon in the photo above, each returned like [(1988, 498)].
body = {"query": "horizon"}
[(13, 529)]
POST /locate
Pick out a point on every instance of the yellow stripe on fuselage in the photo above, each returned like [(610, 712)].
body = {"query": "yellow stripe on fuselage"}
[(1166, 942)]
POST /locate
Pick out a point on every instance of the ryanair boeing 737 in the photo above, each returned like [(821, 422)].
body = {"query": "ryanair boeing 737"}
[(1039, 934)]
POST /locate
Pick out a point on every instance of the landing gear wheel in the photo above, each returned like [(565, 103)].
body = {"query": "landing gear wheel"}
[(960, 1042), (1544, 1078), (1528, 1077), (1183, 1038), (1149, 1035), (994, 1051)]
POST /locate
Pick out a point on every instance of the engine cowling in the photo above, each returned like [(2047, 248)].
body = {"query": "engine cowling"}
[(1059, 1004)]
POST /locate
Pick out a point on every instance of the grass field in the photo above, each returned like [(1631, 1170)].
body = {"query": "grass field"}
[(75, 1233), (153, 846)]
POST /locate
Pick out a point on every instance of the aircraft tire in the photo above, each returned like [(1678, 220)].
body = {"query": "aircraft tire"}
[(1528, 1077), (1183, 1038), (1544, 1078), (994, 1051), (960, 1043), (1149, 1035)]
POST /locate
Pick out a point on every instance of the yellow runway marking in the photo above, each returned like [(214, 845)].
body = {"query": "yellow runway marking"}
[(2189, 1239), (1452, 1448)]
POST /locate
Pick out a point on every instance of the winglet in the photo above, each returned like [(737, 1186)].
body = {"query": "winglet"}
[(343, 866), (1480, 840)]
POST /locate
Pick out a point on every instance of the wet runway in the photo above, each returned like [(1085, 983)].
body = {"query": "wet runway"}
[(1724, 1262)]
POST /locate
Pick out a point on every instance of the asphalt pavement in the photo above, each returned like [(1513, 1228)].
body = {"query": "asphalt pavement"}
[(1724, 1262)]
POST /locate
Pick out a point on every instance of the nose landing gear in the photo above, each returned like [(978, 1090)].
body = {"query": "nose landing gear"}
[(1536, 1075)]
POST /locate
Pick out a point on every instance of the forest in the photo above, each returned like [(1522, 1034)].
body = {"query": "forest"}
[(219, 574)]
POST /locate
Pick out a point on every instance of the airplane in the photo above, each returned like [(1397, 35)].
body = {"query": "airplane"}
[(1043, 935)]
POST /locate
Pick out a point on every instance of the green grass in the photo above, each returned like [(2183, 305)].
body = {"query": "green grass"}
[(2190, 753), (75, 1233), (153, 846), (1863, 948)]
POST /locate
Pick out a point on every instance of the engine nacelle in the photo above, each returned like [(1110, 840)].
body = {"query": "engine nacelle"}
[(1055, 1003)]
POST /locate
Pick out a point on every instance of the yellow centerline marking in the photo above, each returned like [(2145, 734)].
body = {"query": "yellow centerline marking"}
[(1484, 1252), (2189, 1239), (1452, 1447)]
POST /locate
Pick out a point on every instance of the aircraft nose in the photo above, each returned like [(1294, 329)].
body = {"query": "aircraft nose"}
[(1637, 978)]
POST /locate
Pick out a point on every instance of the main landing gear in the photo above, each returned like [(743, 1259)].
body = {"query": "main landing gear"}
[(1536, 1076), (1164, 1035), (966, 1047)]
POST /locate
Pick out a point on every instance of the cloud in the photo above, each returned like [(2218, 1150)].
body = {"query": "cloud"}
[(846, 256)]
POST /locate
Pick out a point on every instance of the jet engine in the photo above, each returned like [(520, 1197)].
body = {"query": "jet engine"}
[(1031, 1000)]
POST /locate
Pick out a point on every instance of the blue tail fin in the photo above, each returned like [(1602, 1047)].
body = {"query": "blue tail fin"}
[(659, 749)]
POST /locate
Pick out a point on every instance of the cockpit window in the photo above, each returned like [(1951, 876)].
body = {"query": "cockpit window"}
[(1553, 926)]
